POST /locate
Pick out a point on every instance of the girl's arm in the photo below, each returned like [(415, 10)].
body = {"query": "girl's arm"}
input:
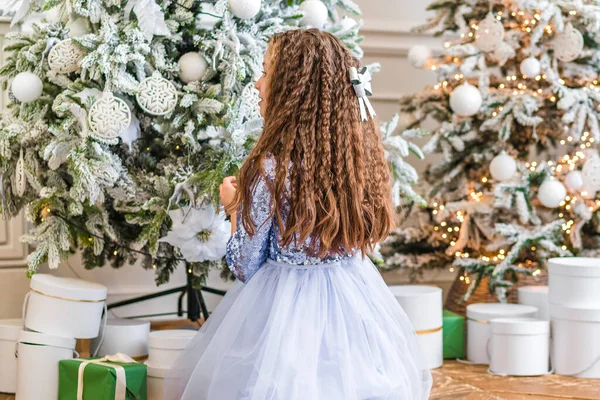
[(246, 254), (233, 217)]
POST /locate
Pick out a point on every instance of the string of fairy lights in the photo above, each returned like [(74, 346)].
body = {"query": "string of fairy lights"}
[(449, 229)]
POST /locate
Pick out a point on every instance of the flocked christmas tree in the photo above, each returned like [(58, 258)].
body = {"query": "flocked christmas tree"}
[(517, 103), (127, 114)]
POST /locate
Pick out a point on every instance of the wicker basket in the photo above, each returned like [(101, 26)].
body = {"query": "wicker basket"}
[(455, 303)]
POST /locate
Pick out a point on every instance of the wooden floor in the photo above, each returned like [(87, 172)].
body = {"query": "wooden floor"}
[(467, 382), (472, 382)]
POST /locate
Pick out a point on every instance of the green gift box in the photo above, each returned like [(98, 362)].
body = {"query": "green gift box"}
[(102, 379), (454, 335)]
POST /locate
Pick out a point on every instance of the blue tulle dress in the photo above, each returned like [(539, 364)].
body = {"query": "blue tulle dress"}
[(296, 327)]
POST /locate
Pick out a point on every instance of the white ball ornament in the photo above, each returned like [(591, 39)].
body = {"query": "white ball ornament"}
[(192, 67), (465, 100), (55, 15), (27, 87), (244, 9), (551, 193), (574, 180), (347, 23), (419, 55), (315, 13), (78, 27), (530, 67), (503, 167)]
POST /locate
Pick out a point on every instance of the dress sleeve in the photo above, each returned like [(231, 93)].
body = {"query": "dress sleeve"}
[(246, 254)]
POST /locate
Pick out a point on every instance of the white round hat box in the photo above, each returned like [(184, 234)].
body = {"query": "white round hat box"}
[(574, 281), (166, 346), (38, 355), (478, 325), (156, 382), (423, 306), (127, 336), (575, 341), (65, 306), (520, 346), (9, 335), (536, 296)]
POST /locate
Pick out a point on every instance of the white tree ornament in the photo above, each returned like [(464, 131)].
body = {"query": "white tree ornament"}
[(20, 177), (157, 95), (489, 34), (347, 23), (503, 167), (64, 58), (78, 27), (568, 44), (465, 100), (591, 174), (530, 67), (244, 9), (419, 56), (109, 117), (315, 13), (551, 193), (200, 234), (27, 87), (574, 180), (192, 67)]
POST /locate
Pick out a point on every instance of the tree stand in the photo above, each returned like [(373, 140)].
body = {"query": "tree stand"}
[(196, 306)]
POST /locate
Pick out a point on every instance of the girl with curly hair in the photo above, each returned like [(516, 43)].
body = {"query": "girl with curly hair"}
[(309, 317)]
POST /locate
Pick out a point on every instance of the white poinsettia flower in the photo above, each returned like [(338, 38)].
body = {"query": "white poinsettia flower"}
[(201, 237)]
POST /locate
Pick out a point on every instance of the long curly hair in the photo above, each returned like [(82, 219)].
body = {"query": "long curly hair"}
[(339, 193)]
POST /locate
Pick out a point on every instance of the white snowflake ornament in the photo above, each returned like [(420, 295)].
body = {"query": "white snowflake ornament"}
[(591, 174), (109, 117), (157, 95), (64, 58), (200, 234), (20, 177), (568, 44), (490, 33)]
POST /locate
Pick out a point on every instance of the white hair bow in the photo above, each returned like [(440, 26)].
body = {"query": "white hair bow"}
[(361, 81)]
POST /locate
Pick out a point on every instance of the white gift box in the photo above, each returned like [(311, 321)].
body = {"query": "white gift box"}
[(536, 296), (423, 306), (576, 341), (9, 335), (166, 346), (478, 325), (126, 336), (38, 355), (64, 306), (156, 382), (520, 346), (574, 281)]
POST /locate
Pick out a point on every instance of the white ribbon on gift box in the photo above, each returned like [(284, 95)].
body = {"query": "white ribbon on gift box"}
[(121, 384)]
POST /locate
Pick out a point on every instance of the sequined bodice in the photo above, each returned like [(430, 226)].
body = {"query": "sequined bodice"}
[(245, 254)]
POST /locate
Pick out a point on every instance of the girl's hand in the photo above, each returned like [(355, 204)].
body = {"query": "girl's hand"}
[(227, 191)]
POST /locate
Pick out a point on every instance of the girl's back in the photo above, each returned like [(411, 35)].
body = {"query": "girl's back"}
[(246, 254), (309, 318)]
